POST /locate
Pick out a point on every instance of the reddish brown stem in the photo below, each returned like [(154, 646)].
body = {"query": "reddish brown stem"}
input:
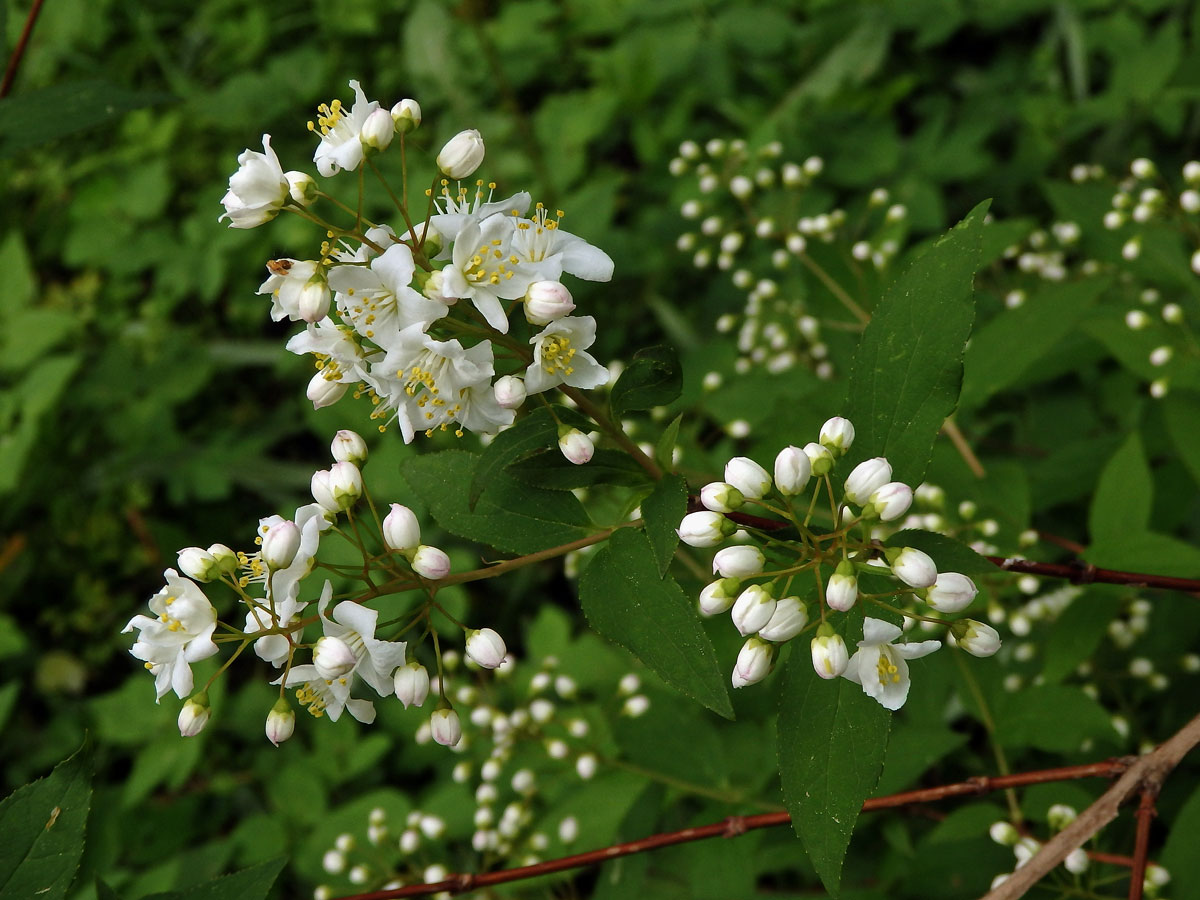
[(1141, 848), (14, 61)]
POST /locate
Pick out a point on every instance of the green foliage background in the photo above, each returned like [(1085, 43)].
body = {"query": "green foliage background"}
[(147, 403)]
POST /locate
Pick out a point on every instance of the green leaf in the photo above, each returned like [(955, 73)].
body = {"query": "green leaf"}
[(1159, 554), (1050, 717), (1078, 631), (1122, 500), (1181, 410), (512, 516), (35, 117), (831, 742), (664, 450), (1179, 855), (1001, 351), (43, 824), (908, 367), (248, 884), (553, 471), (663, 510), (626, 600), (911, 750), (528, 435), (949, 555), (653, 378)]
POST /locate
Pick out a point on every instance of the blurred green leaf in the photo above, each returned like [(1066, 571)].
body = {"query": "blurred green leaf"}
[(1078, 631), (653, 378), (1050, 717), (1123, 498), (35, 117), (248, 884)]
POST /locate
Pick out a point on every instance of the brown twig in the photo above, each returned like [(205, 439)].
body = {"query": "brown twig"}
[(14, 61), (1085, 573), (1141, 848)]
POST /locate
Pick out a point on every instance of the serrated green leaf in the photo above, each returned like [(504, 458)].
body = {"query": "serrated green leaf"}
[(908, 367), (528, 435), (664, 450), (249, 884), (553, 471), (653, 378), (831, 742), (948, 554), (35, 117), (663, 510), (626, 600), (44, 824), (512, 516), (1122, 500)]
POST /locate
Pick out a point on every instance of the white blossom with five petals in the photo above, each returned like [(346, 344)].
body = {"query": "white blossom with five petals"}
[(179, 636), (881, 667)]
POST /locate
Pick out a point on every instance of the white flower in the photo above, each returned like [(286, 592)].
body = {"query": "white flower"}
[(445, 727), (829, 656), (880, 666), (786, 622), (739, 562), (462, 154), (378, 130), (559, 357), (866, 479), (353, 625), (412, 684), (484, 269), (179, 636), (753, 609), (720, 496), (333, 658), (913, 567), (257, 190), (975, 637), (837, 434), (951, 592), (748, 477), (325, 698), (704, 529), (456, 210), (339, 353), (540, 241), (576, 446), (378, 299), (793, 468), (401, 530), (341, 144), (486, 647), (280, 544), (753, 662)]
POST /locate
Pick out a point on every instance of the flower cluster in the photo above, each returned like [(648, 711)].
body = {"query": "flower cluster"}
[(417, 317), (758, 575), (270, 614)]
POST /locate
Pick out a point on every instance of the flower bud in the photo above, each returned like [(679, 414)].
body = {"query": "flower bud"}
[(842, 590), (837, 435), (753, 663), (280, 543), (739, 561), (912, 566), (866, 479), (430, 562), (722, 497), (345, 483), (510, 391), (753, 609), (406, 115), (1076, 862), (445, 727), (281, 722), (705, 529), (717, 597), (820, 457), (585, 766), (748, 477), (225, 558), (1004, 834), (349, 447), (333, 658), (786, 622), (302, 188), (462, 154), (324, 392), (951, 592), (194, 715), (1060, 815), (412, 684), (377, 132), (793, 468), (197, 564), (576, 446), (313, 301), (547, 301), (829, 656), (975, 637), (401, 531), (888, 502), (486, 647)]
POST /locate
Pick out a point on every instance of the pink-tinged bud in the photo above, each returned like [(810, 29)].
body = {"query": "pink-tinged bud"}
[(722, 497), (889, 502), (430, 562), (576, 446), (349, 447), (829, 655), (198, 564), (401, 530), (547, 301), (951, 592), (302, 188), (842, 590), (379, 129), (313, 300), (280, 543), (786, 622), (793, 469), (462, 154), (412, 684), (323, 392), (333, 658), (837, 434), (486, 647), (717, 597), (821, 459), (194, 715), (406, 115), (748, 477), (866, 479), (345, 483), (705, 529), (912, 567), (739, 562), (281, 722), (975, 637), (510, 391), (753, 609), (753, 663), (445, 727)]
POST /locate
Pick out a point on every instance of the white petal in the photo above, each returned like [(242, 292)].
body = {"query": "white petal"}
[(877, 631), (917, 650)]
